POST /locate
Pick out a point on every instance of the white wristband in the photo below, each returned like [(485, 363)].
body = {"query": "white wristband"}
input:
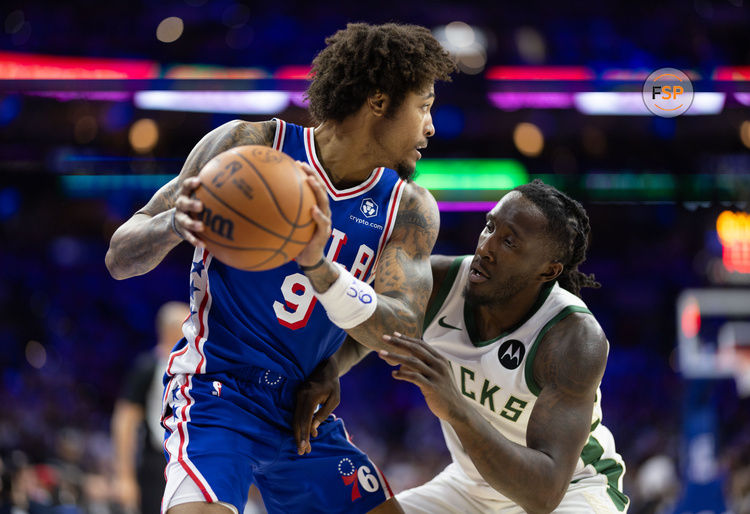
[(349, 301)]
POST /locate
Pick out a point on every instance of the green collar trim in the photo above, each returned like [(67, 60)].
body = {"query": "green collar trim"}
[(471, 325), (442, 294)]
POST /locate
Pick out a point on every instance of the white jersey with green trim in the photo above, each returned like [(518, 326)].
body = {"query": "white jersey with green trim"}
[(496, 375)]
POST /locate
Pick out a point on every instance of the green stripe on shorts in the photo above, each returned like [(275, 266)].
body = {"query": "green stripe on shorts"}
[(592, 455)]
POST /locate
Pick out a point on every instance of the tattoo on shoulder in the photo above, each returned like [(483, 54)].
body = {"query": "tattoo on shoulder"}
[(256, 133), (417, 221), (413, 210), (229, 135)]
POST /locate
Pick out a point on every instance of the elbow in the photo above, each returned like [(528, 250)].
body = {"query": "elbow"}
[(410, 323), (546, 501), (542, 507), (415, 326), (116, 271), (538, 506)]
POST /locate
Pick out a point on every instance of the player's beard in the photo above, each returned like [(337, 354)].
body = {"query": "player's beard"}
[(405, 171), (501, 292)]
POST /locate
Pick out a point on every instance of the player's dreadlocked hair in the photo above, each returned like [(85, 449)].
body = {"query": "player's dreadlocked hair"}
[(568, 226), (362, 59)]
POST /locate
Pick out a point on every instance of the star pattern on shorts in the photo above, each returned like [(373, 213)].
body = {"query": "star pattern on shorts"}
[(193, 289), (198, 267)]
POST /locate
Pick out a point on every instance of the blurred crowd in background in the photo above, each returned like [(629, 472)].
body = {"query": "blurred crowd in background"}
[(69, 334)]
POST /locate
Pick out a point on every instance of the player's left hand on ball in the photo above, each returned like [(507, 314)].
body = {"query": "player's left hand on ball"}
[(424, 367), (321, 214), (321, 388), (187, 210)]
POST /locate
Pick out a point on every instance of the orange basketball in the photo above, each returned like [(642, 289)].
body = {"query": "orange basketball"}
[(256, 208)]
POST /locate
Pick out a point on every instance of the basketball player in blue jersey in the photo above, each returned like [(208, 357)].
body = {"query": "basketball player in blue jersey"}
[(253, 337), (510, 361)]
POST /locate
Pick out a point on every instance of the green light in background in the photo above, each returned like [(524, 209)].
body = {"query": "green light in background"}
[(482, 180), (649, 186), (470, 174), (96, 185)]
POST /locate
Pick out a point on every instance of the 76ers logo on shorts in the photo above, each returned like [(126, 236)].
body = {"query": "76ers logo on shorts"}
[(357, 477)]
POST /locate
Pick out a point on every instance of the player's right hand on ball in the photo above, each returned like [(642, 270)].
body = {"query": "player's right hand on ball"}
[(187, 211)]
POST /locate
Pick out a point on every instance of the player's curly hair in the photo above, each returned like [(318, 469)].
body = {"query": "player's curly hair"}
[(362, 59), (568, 227)]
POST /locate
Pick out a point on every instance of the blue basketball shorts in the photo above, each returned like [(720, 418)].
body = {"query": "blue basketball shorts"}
[(226, 432)]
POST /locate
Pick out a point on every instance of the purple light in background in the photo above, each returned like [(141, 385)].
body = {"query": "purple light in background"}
[(64, 96), (631, 104), (611, 103), (743, 98), (298, 99), (514, 100), (230, 102), (466, 206)]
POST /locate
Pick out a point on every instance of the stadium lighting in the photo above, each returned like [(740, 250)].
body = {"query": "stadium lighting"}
[(230, 102), (631, 104), (470, 174)]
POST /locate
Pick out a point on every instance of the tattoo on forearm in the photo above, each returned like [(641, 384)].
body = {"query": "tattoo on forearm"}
[(142, 242), (322, 277), (164, 199), (404, 279)]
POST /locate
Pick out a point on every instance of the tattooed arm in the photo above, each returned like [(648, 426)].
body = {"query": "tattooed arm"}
[(141, 243), (351, 352), (403, 279), (319, 388)]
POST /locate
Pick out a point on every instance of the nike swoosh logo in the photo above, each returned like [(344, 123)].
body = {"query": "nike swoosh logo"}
[(442, 323)]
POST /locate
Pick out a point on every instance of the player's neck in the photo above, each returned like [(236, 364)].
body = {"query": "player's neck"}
[(497, 318), (344, 150)]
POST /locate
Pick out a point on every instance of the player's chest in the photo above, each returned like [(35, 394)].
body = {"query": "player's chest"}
[(359, 231), (364, 217), (493, 378)]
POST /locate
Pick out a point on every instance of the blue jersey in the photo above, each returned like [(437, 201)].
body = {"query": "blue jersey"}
[(271, 319)]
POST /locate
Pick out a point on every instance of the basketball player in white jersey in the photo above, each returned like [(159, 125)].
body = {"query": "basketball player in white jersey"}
[(510, 361)]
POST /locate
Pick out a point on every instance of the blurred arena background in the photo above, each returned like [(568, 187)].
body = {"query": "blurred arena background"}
[(101, 102)]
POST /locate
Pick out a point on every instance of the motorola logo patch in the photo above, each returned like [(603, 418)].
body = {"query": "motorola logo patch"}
[(511, 353)]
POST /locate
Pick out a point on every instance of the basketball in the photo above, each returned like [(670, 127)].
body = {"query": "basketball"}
[(256, 208)]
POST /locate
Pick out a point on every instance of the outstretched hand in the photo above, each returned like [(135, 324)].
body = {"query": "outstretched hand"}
[(321, 388), (427, 369)]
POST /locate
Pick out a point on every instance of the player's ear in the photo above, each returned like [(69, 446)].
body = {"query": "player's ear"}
[(551, 271), (378, 103)]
